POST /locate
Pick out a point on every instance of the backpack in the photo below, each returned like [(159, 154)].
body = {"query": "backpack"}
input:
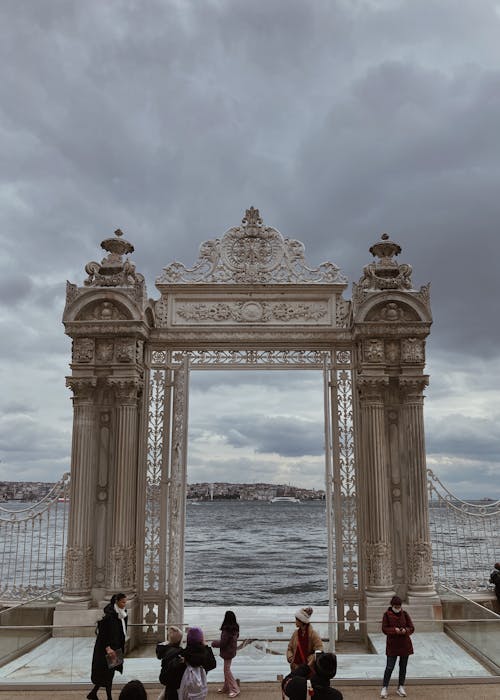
[(193, 684)]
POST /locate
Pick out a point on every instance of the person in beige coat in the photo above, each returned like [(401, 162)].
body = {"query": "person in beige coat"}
[(305, 641)]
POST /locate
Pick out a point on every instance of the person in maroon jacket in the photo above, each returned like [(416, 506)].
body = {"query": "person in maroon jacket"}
[(227, 643), (398, 627)]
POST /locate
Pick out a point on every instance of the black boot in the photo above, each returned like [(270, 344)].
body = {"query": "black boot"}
[(93, 693)]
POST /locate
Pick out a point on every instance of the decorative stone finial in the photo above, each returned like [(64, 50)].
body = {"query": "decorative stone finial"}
[(386, 272), (385, 250), (113, 271)]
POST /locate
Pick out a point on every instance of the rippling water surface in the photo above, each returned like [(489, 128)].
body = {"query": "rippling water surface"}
[(256, 553)]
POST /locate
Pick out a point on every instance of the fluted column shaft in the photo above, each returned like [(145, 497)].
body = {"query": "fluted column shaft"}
[(377, 535), (419, 551), (122, 555), (79, 550)]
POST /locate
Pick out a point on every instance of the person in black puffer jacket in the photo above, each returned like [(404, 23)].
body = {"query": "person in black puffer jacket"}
[(323, 670), (196, 653), (167, 652)]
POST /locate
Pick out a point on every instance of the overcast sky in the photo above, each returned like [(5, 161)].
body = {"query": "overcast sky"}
[(338, 119)]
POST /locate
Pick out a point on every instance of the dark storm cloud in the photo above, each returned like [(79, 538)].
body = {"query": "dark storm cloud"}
[(339, 120)]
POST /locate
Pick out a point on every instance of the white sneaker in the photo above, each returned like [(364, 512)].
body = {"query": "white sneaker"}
[(384, 693), (401, 692)]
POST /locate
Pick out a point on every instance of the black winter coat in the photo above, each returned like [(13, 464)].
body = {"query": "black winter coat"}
[(109, 634), (167, 653), (194, 655)]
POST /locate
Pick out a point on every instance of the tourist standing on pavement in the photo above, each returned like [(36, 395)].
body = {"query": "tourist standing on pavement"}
[(109, 645), (398, 627), (230, 631), (304, 641)]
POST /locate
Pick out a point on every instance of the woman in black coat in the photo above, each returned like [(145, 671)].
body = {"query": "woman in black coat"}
[(111, 635)]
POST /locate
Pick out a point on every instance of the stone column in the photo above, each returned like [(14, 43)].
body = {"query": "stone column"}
[(375, 487), (419, 552), (79, 550), (122, 553)]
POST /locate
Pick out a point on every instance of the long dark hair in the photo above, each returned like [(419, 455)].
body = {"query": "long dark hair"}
[(230, 621)]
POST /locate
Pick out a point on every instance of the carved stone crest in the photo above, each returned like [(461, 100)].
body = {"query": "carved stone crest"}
[(252, 254), (373, 350), (78, 569)]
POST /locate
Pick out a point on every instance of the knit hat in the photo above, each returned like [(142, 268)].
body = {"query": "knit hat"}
[(304, 615), (175, 635), (396, 600), (325, 664), (195, 635), (295, 688)]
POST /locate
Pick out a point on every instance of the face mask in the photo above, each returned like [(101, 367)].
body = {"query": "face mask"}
[(396, 610)]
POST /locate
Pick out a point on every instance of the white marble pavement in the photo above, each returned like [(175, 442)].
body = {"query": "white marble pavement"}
[(67, 660)]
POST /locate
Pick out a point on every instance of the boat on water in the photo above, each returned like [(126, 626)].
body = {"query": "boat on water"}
[(285, 499)]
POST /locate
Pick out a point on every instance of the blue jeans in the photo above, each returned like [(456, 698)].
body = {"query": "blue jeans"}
[(391, 662)]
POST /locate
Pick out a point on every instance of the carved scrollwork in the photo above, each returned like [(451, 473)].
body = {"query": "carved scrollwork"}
[(392, 351), (420, 571), (378, 563), (251, 253), (413, 386), (121, 568), (251, 311)]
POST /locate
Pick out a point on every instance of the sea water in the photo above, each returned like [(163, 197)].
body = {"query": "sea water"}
[(256, 553)]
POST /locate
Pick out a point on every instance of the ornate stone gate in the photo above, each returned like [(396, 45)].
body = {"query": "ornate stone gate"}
[(249, 302)]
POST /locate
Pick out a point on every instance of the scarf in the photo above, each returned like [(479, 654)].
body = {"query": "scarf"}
[(302, 650), (122, 615)]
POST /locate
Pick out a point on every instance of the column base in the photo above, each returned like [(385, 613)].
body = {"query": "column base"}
[(380, 592)]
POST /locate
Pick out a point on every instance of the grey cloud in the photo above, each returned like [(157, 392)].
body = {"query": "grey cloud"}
[(465, 436), (339, 120), (286, 436)]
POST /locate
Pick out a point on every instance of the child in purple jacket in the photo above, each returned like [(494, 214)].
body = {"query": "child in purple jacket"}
[(230, 631)]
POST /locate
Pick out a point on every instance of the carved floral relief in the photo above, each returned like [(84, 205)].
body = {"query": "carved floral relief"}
[(251, 312)]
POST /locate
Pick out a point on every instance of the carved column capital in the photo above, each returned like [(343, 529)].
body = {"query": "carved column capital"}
[(371, 387), (83, 388), (126, 389), (412, 387)]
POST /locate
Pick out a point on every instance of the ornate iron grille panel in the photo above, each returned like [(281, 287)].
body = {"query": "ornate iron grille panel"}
[(341, 463), (32, 545), (342, 514), (154, 571)]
